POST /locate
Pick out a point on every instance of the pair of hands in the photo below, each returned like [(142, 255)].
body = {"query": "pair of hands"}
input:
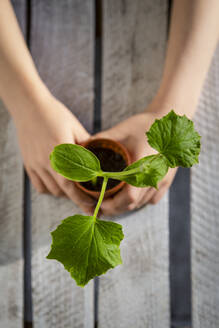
[(51, 124)]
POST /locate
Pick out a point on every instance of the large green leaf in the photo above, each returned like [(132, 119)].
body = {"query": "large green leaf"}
[(75, 162), (150, 170), (174, 136), (86, 247)]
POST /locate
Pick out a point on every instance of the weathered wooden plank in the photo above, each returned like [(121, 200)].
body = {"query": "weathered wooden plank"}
[(19, 7), (11, 220), (134, 45), (135, 294), (11, 192), (62, 48), (205, 207)]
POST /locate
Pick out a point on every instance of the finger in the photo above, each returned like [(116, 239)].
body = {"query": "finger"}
[(125, 200), (50, 183), (37, 182), (84, 201), (158, 194), (82, 137), (82, 134), (146, 197)]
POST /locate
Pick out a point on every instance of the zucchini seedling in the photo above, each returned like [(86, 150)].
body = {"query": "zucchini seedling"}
[(88, 246)]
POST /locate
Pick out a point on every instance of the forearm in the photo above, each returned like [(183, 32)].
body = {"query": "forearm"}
[(20, 84), (193, 38)]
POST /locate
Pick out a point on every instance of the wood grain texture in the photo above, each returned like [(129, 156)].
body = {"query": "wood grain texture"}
[(11, 258), (135, 294), (62, 48), (133, 55), (205, 207), (11, 220)]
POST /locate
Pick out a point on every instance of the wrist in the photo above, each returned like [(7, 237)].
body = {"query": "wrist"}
[(178, 97), (26, 98)]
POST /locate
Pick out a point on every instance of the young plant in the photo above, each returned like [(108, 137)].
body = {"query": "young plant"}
[(88, 246)]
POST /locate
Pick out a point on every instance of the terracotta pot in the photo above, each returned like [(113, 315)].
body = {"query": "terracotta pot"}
[(117, 147)]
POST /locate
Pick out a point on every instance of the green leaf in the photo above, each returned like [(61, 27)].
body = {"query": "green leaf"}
[(150, 170), (75, 162), (174, 136), (86, 247)]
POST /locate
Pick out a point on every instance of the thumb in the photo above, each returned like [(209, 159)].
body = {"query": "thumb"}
[(81, 135)]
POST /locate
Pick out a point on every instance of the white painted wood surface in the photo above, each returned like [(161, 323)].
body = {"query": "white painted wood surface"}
[(62, 47), (135, 294), (11, 219), (205, 207)]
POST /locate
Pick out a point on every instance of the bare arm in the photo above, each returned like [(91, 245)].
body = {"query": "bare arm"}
[(41, 121), (20, 83), (193, 37)]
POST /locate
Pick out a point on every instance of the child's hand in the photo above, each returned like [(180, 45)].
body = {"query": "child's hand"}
[(41, 128), (131, 133)]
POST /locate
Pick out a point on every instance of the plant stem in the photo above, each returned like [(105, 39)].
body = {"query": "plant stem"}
[(103, 189), (117, 175), (114, 175)]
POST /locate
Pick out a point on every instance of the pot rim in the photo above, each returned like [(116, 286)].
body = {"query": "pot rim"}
[(126, 156)]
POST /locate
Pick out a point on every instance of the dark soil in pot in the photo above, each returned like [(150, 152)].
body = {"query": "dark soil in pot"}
[(110, 161)]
